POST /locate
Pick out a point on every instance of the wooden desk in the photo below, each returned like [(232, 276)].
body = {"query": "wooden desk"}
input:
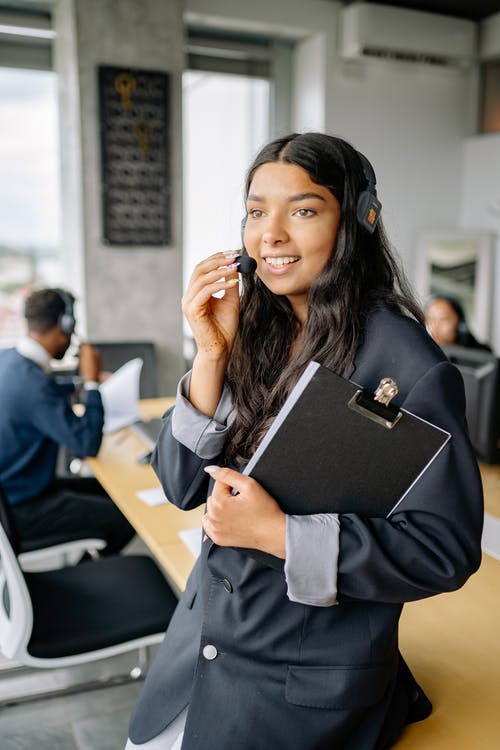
[(117, 470), (451, 643)]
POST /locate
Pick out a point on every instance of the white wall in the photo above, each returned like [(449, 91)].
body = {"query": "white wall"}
[(293, 19), (410, 120), (480, 204)]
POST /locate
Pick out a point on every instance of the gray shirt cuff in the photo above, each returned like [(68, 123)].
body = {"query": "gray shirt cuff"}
[(312, 551), (204, 436)]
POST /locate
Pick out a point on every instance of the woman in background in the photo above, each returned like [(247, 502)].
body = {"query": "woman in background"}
[(302, 653), (446, 323)]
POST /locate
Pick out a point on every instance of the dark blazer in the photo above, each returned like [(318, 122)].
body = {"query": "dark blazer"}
[(289, 676)]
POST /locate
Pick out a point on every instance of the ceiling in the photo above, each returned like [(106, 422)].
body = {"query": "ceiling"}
[(475, 10)]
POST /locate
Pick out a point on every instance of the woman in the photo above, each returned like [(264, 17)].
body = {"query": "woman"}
[(302, 654), (446, 323)]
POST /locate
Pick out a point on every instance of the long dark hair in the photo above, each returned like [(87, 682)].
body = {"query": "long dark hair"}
[(360, 273)]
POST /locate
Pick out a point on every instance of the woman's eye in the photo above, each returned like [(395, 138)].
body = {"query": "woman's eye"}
[(305, 212), (255, 213)]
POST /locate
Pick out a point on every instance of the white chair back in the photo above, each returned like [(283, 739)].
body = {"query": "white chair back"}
[(16, 613)]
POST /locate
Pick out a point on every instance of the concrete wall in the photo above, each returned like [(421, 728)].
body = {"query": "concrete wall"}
[(134, 292)]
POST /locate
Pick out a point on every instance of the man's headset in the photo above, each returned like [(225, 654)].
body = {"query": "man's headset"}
[(66, 320), (367, 212)]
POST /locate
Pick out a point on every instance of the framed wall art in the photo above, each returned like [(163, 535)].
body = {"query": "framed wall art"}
[(134, 130)]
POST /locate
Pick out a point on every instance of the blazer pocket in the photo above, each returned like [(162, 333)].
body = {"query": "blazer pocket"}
[(340, 688)]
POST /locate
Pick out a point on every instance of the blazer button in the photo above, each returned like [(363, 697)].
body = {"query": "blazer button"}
[(209, 652), (227, 585)]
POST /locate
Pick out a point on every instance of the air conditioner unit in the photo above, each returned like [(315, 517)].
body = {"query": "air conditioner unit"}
[(372, 30)]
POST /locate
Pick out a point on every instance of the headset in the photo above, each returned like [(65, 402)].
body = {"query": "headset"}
[(66, 320), (247, 264), (369, 207)]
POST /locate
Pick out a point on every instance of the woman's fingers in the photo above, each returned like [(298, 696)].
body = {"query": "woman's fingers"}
[(195, 306), (252, 518), (209, 266), (213, 319), (230, 477), (210, 278)]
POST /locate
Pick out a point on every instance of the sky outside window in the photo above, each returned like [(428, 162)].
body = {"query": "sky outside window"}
[(29, 189)]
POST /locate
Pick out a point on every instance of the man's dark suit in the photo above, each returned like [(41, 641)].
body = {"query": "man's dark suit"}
[(35, 419), (289, 676)]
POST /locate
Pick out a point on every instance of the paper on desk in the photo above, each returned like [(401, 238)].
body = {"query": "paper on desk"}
[(153, 496), (192, 540), (120, 396)]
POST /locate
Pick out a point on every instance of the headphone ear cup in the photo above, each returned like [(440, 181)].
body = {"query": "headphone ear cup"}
[(67, 323), (368, 210), (66, 320), (368, 207)]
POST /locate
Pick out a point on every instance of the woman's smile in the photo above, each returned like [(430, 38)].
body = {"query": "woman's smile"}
[(280, 264)]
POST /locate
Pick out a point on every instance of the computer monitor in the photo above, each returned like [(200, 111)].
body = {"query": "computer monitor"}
[(481, 374)]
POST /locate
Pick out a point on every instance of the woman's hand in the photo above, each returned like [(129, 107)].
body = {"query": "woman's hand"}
[(250, 519), (213, 320)]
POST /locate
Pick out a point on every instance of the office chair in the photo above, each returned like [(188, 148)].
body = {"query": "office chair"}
[(49, 551), (82, 613)]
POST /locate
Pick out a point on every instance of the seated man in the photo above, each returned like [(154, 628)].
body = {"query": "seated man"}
[(36, 419)]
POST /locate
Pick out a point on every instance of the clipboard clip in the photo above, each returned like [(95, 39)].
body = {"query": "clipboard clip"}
[(378, 407)]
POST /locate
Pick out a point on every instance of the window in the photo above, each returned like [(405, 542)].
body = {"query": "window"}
[(219, 143), (236, 96), (29, 164), (29, 191), (29, 202)]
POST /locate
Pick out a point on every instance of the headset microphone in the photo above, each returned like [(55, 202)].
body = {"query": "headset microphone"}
[(247, 264)]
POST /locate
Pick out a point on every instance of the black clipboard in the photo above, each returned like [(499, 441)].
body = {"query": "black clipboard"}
[(334, 448)]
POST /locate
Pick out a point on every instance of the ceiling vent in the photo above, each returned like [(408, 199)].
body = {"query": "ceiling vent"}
[(370, 30)]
